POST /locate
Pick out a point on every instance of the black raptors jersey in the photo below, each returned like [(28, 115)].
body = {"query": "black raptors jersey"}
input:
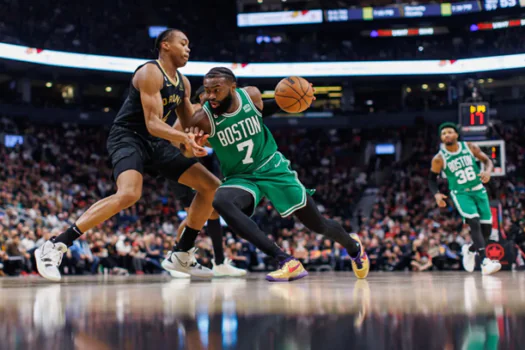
[(131, 114)]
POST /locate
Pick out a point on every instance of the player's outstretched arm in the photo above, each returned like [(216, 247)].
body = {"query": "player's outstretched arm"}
[(437, 166), (483, 158), (148, 81)]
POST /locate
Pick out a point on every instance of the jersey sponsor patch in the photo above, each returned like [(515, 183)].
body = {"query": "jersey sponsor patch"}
[(247, 108)]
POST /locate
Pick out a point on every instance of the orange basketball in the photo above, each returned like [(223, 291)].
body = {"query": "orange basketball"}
[(294, 94)]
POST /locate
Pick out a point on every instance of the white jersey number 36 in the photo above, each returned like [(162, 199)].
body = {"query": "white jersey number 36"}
[(465, 175), (246, 144)]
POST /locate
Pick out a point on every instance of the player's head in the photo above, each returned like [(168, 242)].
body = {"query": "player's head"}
[(449, 134), (219, 86), (175, 44), (199, 96)]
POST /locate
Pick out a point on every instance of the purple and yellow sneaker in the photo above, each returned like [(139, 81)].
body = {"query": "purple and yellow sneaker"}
[(289, 270), (361, 263)]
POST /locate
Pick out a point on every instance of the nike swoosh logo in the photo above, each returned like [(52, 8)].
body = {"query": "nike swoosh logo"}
[(180, 262), (292, 269), (219, 123), (168, 85)]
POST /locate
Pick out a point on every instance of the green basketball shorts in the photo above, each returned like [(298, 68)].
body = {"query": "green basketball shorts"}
[(473, 204), (276, 181)]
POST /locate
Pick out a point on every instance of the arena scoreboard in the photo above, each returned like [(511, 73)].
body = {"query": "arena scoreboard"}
[(495, 149), (474, 118)]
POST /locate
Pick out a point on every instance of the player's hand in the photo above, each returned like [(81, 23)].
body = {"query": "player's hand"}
[(313, 89), (440, 200), (190, 145), (485, 176), (200, 137)]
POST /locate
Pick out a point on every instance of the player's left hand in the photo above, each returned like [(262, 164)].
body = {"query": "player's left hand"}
[(313, 89), (485, 176)]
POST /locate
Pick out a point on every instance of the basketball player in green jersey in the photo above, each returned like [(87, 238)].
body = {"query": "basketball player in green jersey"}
[(222, 267), (253, 168), (457, 160)]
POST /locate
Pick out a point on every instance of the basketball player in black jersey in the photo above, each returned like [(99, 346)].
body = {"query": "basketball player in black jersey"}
[(143, 140)]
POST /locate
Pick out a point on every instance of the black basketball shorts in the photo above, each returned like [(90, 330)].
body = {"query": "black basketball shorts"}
[(129, 150)]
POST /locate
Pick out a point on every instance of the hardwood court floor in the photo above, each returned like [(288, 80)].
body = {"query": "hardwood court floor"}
[(323, 311)]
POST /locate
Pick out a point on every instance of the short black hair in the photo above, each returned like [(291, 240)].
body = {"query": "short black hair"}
[(164, 36), (223, 72), (448, 125), (196, 97)]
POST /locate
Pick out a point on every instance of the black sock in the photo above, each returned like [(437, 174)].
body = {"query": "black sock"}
[(475, 234), (230, 203), (187, 239), (486, 230), (68, 236), (481, 253), (215, 232), (314, 221)]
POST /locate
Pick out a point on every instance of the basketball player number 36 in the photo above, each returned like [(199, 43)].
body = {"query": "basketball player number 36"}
[(465, 175), (246, 144)]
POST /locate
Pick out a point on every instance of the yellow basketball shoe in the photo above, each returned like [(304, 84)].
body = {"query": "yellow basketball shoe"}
[(289, 270), (361, 263)]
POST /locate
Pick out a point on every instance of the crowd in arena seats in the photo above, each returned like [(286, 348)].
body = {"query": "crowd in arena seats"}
[(47, 182), (120, 28)]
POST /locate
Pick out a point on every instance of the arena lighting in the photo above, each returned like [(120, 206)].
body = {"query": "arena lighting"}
[(271, 70), (326, 89), (108, 89), (49, 84), (498, 25), (441, 85), (318, 90), (424, 86), (268, 94)]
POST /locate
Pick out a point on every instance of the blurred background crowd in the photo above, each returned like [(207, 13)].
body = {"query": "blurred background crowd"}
[(59, 171)]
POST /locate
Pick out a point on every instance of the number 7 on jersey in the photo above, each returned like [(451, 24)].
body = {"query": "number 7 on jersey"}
[(246, 144)]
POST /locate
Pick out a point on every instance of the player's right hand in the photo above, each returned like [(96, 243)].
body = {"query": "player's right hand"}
[(440, 200), (189, 142), (200, 137)]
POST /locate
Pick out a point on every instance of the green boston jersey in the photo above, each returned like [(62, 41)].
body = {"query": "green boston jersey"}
[(460, 168), (240, 139)]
